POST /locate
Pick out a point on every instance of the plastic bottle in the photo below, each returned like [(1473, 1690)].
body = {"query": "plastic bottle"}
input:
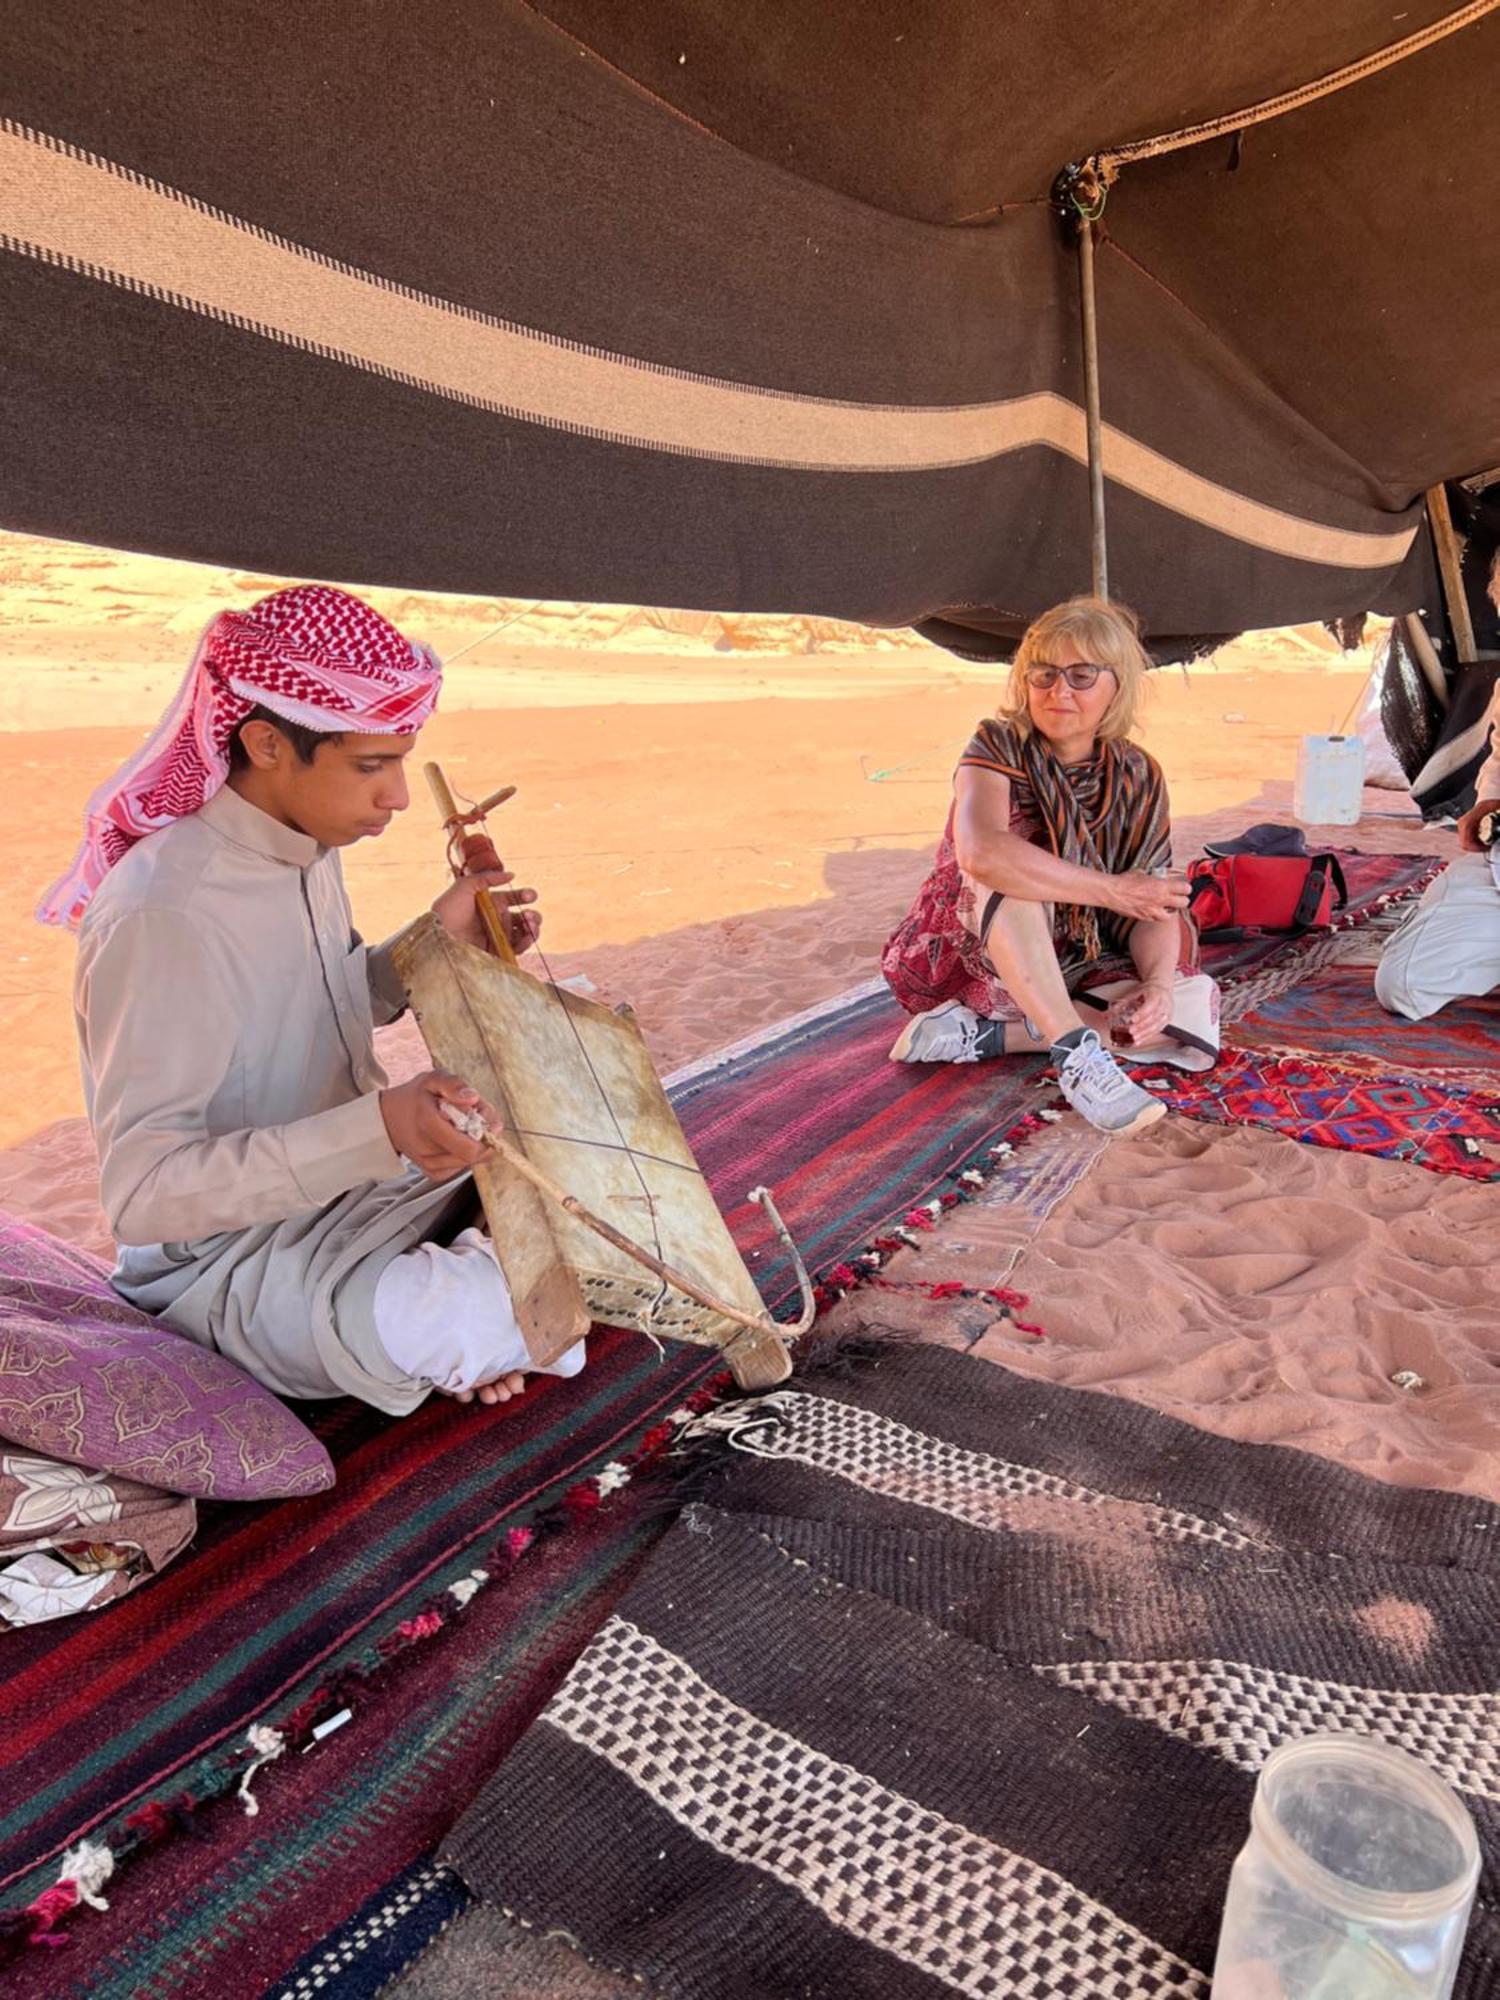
[(1330, 778), (1355, 1883)]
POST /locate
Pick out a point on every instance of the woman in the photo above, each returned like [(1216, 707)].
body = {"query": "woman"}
[(1052, 877)]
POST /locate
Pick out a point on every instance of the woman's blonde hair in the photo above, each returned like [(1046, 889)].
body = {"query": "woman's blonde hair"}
[(1104, 633)]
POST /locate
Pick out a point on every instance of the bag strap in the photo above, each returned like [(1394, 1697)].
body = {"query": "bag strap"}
[(1322, 869), (1341, 887)]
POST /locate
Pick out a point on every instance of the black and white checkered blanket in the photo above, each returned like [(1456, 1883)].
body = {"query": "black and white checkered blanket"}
[(960, 1684)]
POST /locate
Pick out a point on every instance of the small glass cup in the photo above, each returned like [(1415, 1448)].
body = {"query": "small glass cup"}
[(1355, 1883)]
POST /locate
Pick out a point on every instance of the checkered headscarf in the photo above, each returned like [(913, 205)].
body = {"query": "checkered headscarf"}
[(312, 655)]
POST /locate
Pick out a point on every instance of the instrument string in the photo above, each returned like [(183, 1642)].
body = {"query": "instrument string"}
[(608, 1103)]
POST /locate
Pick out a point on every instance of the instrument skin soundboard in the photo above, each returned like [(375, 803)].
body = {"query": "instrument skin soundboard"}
[(573, 1087)]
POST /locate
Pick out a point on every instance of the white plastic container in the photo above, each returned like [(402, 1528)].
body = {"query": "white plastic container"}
[(1355, 1883), (1330, 777)]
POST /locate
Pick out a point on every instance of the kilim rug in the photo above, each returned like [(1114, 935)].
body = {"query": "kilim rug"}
[(1316, 1058), (423, 1608), (976, 1703), (1424, 1120), (1333, 1016)]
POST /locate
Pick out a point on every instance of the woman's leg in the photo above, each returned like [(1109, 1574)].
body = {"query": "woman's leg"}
[(1020, 951), (1020, 946)]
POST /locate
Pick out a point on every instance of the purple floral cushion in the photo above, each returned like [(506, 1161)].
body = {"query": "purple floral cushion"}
[(86, 1378)]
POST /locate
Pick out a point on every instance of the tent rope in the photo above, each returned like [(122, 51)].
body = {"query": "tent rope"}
[(1107, 164)]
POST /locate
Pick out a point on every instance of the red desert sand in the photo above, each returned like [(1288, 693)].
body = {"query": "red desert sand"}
[(725, 818)]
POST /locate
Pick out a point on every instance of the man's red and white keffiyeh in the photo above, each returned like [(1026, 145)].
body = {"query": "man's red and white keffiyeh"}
[(311, 655)]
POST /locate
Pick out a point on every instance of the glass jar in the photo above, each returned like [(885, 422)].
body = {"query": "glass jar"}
[(1355, 1883)]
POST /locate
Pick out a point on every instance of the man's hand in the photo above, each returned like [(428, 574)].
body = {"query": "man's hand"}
[(1140, 1016), (458, 912), (1468, 827), (418, 1129), (1146, 898)]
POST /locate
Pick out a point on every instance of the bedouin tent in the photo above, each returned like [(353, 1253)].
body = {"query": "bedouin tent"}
[(756, 304)]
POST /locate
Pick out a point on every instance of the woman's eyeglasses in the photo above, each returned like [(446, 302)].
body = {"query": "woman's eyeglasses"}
[(1079, 678)]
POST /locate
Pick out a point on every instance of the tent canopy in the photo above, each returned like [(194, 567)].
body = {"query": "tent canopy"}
[(751, 305)]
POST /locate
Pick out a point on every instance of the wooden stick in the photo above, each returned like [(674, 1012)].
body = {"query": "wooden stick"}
[(474, 1127), (1093, 425), (789, 1331), (1422, 652), (1446, 543), (453, 822)]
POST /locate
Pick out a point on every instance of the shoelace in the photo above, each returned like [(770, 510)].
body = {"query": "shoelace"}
[(1095, 1064)]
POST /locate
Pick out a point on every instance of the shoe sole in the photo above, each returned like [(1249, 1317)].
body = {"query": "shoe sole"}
[(901, 1047), (1149, 1114), (905, 1042)]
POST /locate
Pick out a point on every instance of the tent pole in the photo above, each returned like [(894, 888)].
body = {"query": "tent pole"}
[(1098, 550), (1446, 543), (1420, 647)]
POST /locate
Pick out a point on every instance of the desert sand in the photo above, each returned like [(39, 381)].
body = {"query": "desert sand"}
[(1263, 1290), (725, 818)]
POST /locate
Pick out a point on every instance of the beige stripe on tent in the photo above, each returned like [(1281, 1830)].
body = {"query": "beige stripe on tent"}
[(85, 213)]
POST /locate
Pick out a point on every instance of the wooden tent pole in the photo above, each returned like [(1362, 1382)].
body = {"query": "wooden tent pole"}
[(1422, 652), (1098, 549), (1446, 543)]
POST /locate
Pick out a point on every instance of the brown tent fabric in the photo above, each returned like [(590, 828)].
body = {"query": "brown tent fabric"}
[(733, 305)]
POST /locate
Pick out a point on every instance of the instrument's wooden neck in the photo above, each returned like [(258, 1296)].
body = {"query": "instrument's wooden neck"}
[(470, 852)]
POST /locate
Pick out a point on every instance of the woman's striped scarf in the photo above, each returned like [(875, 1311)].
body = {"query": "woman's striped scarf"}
[(1109, 814)]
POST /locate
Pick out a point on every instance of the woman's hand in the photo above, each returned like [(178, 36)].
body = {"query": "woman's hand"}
[(1146, 898), (1141, 1016), (458, 912)]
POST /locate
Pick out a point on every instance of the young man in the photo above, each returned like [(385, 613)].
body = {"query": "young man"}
[(272, 1197)]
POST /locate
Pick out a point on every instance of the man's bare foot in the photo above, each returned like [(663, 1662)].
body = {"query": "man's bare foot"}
[(499, 1391)]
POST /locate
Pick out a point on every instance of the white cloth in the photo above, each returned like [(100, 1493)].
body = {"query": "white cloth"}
[(1487, 784), (444, 1316), (1190, 1039), (1449, 947)]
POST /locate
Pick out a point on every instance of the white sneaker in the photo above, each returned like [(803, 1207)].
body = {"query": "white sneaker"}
[(1100, 1091), (949, 1033)]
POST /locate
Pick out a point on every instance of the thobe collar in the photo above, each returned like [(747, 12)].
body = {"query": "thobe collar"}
[(236, 820)]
